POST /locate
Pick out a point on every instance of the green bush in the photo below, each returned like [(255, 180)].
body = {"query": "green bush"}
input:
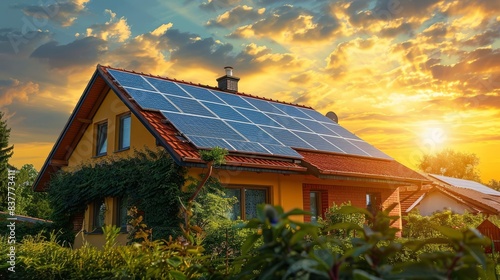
[(416, 226), (42, 258)]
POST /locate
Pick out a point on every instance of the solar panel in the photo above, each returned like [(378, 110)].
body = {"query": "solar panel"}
[(225, 112), (257, 117), (315, 126), (167, 87), (337, 129), (200, 93), (466, 184), (190, 106), (317, 142), (291, 110), (282, 150), (314, 115), (263, 105), (345, 146), (151, 100), (131, 80), (210, 118), (286, 137), (372, 151), (202, 126), (209, 142), (248, 147), (288, 122), (233, 100), (253, 133)]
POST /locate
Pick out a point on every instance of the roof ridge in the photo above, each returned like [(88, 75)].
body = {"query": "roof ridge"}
[(204, 86)]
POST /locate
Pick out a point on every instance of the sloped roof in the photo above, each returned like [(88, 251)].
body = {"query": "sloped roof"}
[(466, 184), (186, 153), (481, 202), (334, 164)]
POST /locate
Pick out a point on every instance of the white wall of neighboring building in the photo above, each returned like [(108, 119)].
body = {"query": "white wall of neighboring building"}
[(436, 201)]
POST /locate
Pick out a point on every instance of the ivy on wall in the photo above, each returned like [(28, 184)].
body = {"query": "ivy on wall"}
[(149, 180)]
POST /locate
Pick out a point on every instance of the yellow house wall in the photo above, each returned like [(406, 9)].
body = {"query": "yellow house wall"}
[(284, 190), (110, 110)]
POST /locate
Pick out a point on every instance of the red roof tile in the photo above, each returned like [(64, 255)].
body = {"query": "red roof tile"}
[(336, 164)]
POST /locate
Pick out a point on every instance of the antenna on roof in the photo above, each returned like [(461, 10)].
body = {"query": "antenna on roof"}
[(332, 116)]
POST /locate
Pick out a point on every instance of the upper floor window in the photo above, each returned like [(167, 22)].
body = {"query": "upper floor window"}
[(102, 139), (124, 132)]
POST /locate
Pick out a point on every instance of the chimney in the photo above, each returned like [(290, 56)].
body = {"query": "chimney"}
[(228, 82)]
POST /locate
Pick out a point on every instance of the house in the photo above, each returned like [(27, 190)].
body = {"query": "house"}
[(279, 153), (447, 193)]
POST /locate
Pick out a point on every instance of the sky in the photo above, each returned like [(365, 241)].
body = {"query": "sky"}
[(410, 77)]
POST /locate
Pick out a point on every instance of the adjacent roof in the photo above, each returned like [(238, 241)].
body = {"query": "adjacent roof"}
[(169, 132), (481, 198), (466, 184)]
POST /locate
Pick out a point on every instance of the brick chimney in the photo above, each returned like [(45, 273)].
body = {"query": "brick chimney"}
[(228, 82)]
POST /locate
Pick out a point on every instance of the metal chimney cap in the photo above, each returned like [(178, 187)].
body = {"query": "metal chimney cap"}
[(229, 70)]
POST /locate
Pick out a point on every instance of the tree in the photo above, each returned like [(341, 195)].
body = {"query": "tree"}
[(28, 202), (494, 184), (452, 164), (6, 152)]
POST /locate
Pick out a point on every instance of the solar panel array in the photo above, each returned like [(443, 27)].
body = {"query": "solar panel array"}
[(466, 184), (210, 118)]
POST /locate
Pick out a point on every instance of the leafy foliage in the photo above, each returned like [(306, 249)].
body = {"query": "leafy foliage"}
[(277, 248), (42, 258), (150, 180), (452, 164), (216, 155), (28, 202), (418, 227), (494, 184)]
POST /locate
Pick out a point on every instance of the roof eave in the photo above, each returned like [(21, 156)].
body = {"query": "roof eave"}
[(72, 117)]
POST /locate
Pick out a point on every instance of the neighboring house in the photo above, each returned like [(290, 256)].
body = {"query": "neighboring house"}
[(279, 153), (453, 194)]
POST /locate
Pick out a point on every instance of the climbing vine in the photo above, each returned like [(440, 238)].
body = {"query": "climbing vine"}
[(149, 180)]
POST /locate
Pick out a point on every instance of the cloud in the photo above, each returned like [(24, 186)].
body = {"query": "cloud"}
[(236, 16), (116, 29), (62, 13), (16, 42), (82, 52), (289, 23), (213, 5), (14, 90)]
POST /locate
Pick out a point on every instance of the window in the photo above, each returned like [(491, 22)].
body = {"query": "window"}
[(373, 202), (124, 132), (121, 214), (102, 139), (248, 199), (98, 213), (315, 202)]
